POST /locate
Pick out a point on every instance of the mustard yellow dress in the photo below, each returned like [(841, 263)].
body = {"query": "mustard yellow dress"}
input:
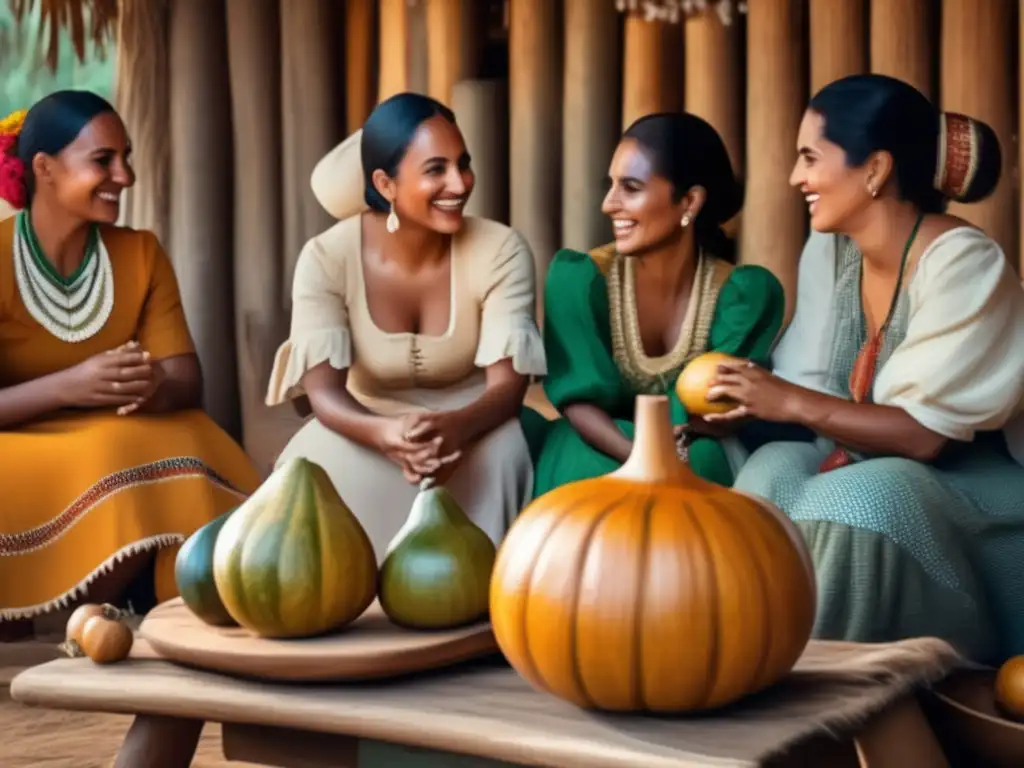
[(84, 489)]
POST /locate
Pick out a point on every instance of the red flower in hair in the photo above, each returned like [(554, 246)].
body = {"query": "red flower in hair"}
[(12, 174)]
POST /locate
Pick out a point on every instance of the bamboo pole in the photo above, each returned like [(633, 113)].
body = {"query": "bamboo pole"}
[(774, 219), (977, 79), (455, 40), (902, 42), (311, 104), (838, 40), (535, 127), (143, 101), (393, 64), (360, 49), (260, 322), (653, 58), (590, 118), (481, 107), (201, 191)]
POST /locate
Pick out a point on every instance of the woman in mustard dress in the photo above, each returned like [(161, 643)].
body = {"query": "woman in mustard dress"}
[(106, 453), (412, 331), (624, 319)]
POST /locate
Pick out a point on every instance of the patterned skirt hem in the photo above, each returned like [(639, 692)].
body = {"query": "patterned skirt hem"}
[(64, 600)]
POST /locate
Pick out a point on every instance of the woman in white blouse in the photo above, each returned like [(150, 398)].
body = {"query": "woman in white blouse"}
[(906, 359)]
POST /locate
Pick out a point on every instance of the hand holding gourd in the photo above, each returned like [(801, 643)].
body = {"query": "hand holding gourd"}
[(760, 394)]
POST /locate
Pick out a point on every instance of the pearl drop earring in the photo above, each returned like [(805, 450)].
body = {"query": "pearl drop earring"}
[(392, 223)]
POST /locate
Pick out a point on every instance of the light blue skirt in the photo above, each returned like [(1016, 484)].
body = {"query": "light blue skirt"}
[(906, 549)]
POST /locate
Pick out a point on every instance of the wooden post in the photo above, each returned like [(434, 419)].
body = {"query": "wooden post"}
[(652, 60), (535, 127), (260, 322), (393, 66), (714, 78), (311, 104), (902, 42), (360, 48), (977, 79), (143, 101), (201, 207), (590, 118), (774, 218), (418, 58), (838, 41), (454, 44), (481, 107)]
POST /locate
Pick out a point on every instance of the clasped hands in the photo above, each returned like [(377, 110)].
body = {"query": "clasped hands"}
[(123, 378), (423, 444)]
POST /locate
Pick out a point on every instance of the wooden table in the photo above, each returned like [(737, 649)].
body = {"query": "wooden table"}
[(480, 709)]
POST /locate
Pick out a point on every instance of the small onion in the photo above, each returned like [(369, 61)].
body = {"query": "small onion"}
[(106, 641)]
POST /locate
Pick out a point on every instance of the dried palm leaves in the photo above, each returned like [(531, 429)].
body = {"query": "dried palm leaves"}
[(87, 21)]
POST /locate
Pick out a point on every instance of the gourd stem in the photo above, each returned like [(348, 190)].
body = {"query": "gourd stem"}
[(654, 457), (427, 483)]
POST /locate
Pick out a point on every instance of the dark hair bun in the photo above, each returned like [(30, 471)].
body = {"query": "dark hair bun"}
[(970, 160)]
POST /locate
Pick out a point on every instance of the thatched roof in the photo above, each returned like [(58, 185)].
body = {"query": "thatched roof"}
[(86, 21), (95, 21)]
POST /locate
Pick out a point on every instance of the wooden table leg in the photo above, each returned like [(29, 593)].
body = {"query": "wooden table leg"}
[(288, 748), (900, 737), (159, 742)]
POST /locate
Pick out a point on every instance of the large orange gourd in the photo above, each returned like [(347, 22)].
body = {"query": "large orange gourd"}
[(651, 589)]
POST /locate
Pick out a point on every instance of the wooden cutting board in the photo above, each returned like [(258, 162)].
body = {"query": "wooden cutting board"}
[(370, 647)]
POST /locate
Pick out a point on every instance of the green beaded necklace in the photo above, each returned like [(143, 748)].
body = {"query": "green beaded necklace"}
[(71, 308)]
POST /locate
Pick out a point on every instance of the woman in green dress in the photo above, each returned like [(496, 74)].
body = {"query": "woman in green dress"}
[(906, 358), (624, 319)]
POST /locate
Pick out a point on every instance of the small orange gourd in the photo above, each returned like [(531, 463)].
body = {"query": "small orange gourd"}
[(695, 380), (106, 641), (81, 614), (1009, 688), (651, 589)]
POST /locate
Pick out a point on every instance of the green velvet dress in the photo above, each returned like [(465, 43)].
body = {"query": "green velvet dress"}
[(594, 354)]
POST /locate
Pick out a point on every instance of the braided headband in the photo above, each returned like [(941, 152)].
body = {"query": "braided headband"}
[(12, 170)]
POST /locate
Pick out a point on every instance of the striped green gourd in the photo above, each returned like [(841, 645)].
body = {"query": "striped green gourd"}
[(293, 561), (193, 574)]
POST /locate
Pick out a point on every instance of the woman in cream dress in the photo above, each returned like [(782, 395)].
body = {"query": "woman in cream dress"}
[(413, 329), (906, 358)]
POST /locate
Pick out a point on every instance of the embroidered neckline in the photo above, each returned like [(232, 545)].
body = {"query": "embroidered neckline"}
[(74, 308), (655, 374)]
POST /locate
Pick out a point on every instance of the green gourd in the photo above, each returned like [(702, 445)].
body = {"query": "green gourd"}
[(193, 573), (437, 570), (293, 561)]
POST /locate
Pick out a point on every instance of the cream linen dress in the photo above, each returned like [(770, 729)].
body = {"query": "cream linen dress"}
[(492, 317)]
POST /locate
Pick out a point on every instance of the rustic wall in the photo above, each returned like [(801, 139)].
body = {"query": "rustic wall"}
[(248, 120)]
